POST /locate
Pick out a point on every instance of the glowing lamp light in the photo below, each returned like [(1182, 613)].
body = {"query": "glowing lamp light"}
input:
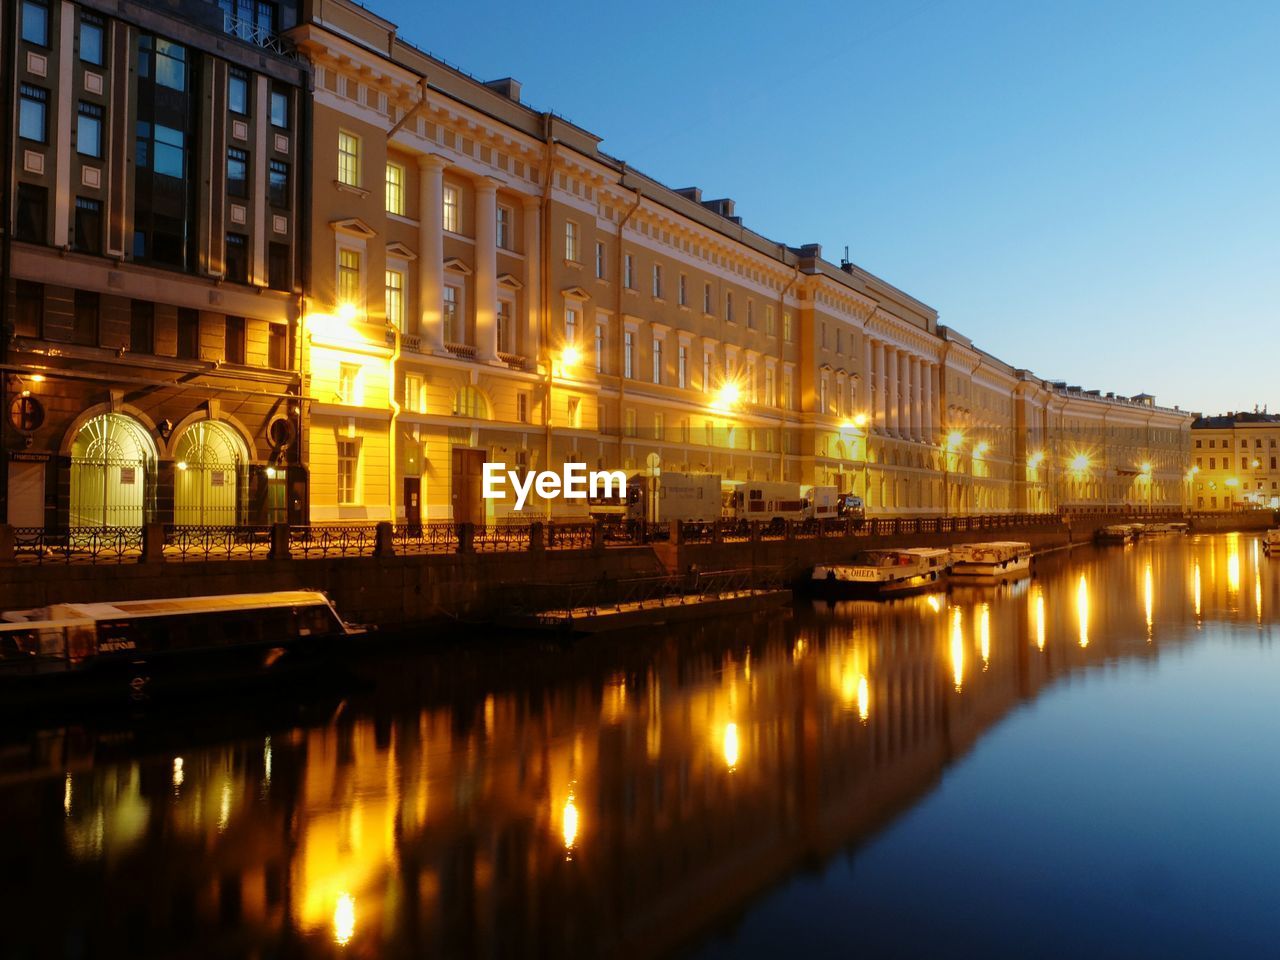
[(569, 824), (1146, 469), (181, 464), (955, 439), (344, 919), (731, 745), (1232, 482), (1257, 464), (570, 356), (1035, 459), (271, 473), (980, 449), (37, 378), (728, 396), (860, 421), (347, 312), (1080, 463)]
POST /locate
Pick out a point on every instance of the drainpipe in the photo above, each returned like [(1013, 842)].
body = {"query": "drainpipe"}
[(394, 360), (622, 372), (302, 353), (544, 267), (391, 427), (8, 36), (782, 420)]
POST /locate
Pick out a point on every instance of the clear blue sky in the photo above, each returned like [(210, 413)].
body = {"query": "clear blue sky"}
[(1090, 190)]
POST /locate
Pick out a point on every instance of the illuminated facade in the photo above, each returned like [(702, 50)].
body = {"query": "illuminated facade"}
[(150, 280), (1234, 461), (487, 284)]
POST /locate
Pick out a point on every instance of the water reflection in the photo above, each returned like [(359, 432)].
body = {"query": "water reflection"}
[(570, 800)]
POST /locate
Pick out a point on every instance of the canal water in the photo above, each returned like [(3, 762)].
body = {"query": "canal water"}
[(1084, 763)]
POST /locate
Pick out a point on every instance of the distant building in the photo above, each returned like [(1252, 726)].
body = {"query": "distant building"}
[(151, 269), (1234, 461)]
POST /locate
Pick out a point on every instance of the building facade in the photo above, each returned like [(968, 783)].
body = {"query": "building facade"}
[(487, 284), (205, 329), (151, 263), (1234, 461)]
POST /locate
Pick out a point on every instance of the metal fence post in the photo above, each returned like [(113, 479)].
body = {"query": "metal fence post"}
[(152, 543), (279, 541), (384, 540), (466, 538), (541, 537)]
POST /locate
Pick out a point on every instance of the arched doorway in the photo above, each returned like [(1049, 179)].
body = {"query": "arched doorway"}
[(113, 461), (209, 461)]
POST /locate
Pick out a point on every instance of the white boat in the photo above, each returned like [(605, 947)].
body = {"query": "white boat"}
[(1271, 542), (996, 560), (885, 573), (1155, 528), (71, 646), (1118, 533)]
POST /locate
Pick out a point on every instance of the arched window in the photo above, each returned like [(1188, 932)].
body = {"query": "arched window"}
[(209, 473), (113, 461), (471, 402)]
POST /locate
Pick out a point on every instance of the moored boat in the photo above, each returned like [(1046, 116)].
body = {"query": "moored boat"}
[(1271, 542), (1117, 533), (131, 646), (995, 560), (885, 573)]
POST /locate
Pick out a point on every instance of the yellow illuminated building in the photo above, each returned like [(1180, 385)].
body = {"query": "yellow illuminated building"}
[(487, 284), (1234, 462)]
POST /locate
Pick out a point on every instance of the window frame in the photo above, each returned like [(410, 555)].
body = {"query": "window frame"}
[(350, 148)]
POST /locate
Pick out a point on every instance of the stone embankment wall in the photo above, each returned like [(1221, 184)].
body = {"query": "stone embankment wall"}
[(399, 591)]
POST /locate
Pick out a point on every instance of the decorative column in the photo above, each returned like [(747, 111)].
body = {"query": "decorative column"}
[(882, 388), (891, 391), (866, 389), (431, 252), (917, 399), (486, 282), (532, 276), (904, 394), (929, 419)]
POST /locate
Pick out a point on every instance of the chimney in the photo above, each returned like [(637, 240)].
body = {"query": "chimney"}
[(722, 207), (508, 87), (691, 193)]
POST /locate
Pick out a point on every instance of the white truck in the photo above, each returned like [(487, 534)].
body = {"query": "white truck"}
[(693, 497), (768, 501)]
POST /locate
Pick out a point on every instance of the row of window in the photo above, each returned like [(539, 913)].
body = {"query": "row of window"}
[(1245, 463), (31, 226), (86, 322), (240, 102), (1244, 443), (89, 35)]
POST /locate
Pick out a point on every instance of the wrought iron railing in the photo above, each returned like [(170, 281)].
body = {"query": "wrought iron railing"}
[(258, 35), (419, 538), (77, 545), (183, 542), (309, 542)]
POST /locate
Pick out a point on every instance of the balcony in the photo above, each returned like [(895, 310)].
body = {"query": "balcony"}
[(514, 360), (258, 35), (464, 350)]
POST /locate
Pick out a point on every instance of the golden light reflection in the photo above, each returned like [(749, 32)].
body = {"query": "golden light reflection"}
[(730, 745), (1195, 587), (934, 603), (984, 634), (569, 823), (66, 795), (344, 919), (957, 647), (179, 774), (864, 698), (1082, 610), (1038, 601), (798, 651), (1257, 595), (266, 763), (1148, 590), (1233, 563), (224, 804)]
